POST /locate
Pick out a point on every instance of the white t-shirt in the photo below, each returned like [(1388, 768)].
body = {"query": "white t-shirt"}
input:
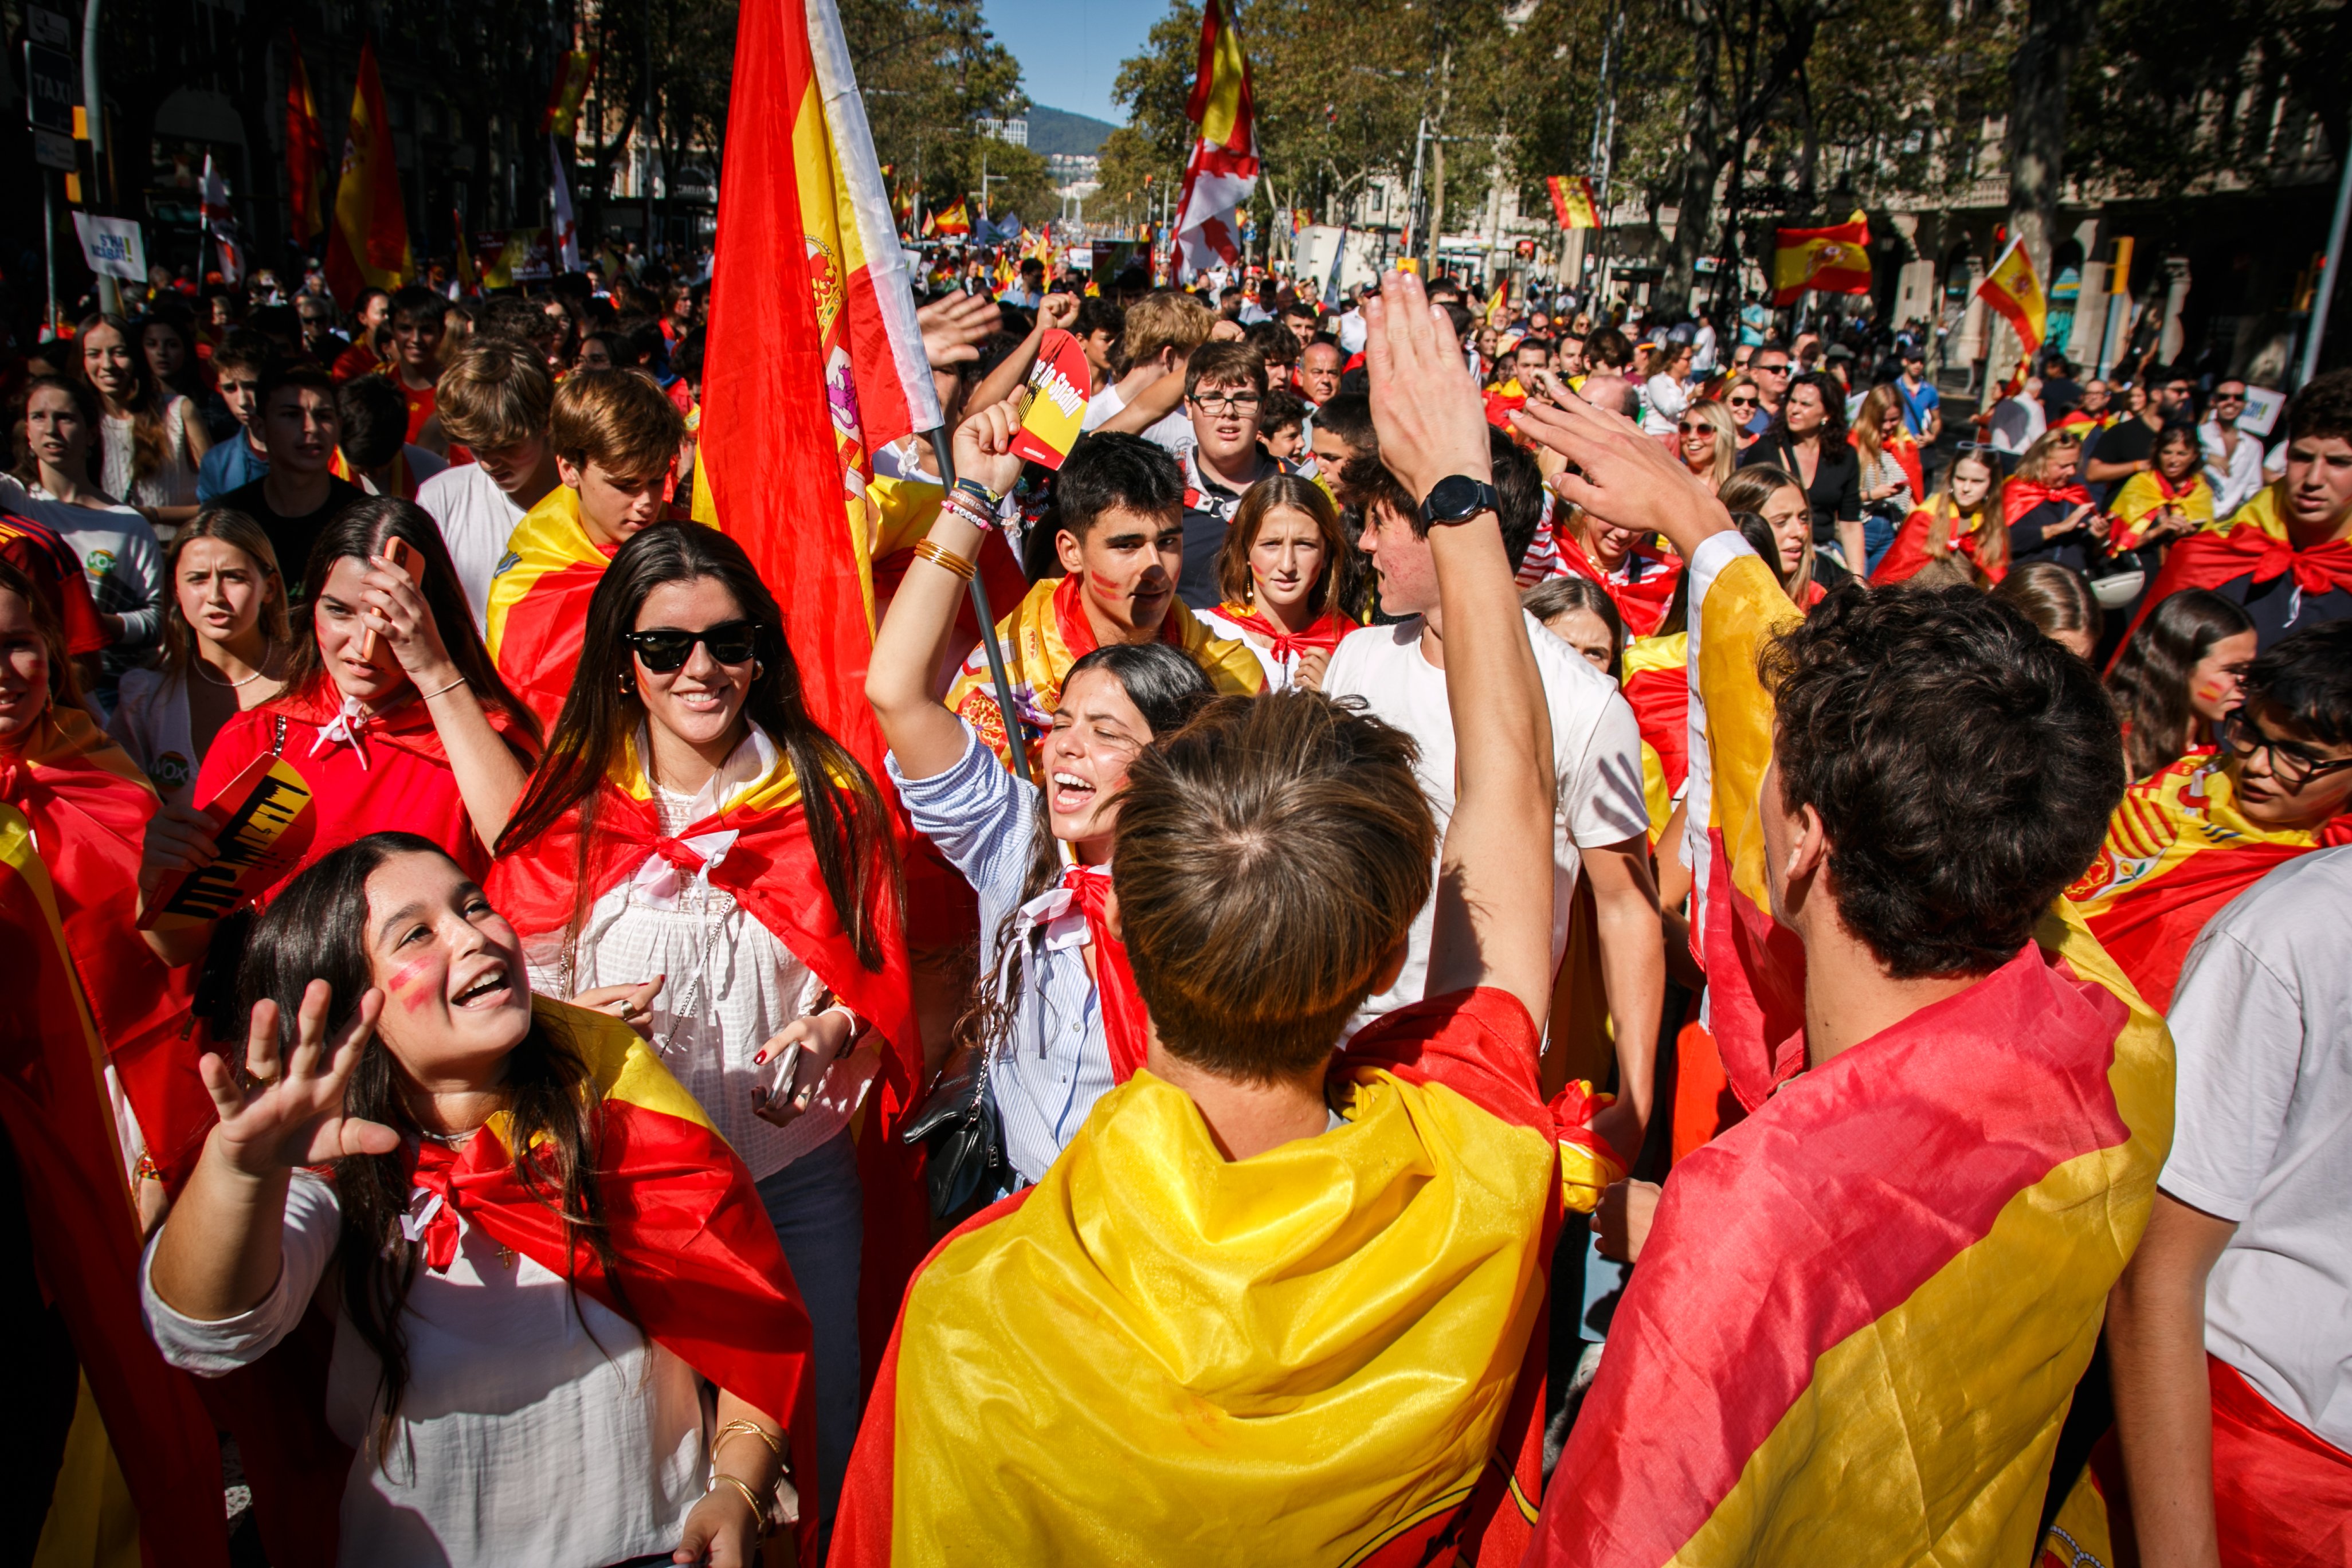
[(2261, 1026), (1596, 762), (1173, 429), (476, 518)]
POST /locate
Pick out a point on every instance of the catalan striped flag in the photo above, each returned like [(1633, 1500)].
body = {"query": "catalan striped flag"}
[(137, 1423), (368, 246), (1221, 173), (1572, 201), (2178, 850), (1861, 1314), (1833, 260), (2014, 289)]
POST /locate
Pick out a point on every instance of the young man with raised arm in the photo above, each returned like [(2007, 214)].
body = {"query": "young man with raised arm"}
[(1860, 1314), (1273, 1301)]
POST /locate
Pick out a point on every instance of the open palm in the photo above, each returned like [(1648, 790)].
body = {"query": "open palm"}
[(294, 1113)]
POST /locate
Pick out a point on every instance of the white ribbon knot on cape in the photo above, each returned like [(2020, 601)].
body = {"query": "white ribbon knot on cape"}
[(343, 729), (663, 875)]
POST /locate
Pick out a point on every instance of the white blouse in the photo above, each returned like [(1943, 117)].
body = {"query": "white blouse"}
[(150, 723), (537, 1426), (730, 985), (172, 484)]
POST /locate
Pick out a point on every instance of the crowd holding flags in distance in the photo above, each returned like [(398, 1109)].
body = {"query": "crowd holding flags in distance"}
[(1221, 173), (1832, 260)]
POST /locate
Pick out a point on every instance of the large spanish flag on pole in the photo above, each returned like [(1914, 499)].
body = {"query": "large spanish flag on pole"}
[(2014, 289), (1222, 175), (1833, 260), (1572, 201), (1824, 1355), (139, 1424), (305, 152), (368, 245)]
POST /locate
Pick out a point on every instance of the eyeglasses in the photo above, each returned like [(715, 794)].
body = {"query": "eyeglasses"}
[(2290, 763), (666, 648), (2229, 397), (1748, 402), (1217, 403)]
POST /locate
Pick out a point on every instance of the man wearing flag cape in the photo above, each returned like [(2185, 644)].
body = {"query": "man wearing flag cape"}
[(1825, 1356)]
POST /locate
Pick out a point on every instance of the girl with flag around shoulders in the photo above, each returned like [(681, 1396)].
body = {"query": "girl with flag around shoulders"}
[(1279, 571), (696, 856)]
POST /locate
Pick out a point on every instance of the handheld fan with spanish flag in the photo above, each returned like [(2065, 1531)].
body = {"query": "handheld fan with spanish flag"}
[(1572, 201), (2014, 289), (1833, 260)]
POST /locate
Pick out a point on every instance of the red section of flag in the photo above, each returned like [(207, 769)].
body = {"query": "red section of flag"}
[(305, 152), (2210, 560), (381, 246)]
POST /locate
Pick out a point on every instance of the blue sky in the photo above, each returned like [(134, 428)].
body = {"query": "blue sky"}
[(1070, 50)]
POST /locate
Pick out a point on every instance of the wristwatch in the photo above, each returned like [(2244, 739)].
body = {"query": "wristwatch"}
[(1457, 499)]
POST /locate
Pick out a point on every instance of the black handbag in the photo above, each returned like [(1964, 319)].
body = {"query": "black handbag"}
[(964, 1131)]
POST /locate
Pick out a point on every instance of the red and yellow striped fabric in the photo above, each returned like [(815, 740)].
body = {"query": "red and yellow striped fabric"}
[(1318, 1355), (2178, 849), (85, 1240), (539, 602), (1861, 1314), (2140, 498), (1657, 686), (1046, 632)]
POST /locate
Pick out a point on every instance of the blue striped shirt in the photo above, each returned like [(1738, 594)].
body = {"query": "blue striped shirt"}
[(1049, 1075)]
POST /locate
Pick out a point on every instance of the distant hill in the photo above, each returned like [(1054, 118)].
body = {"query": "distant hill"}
[(1056, 131)]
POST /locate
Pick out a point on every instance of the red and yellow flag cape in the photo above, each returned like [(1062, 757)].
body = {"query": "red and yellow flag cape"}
[(2251, 542), (1310, 1357), (88, 805), (1817, 1361), (1046, 632), (1659, 691), (1642, 603), (1909, 553), (539, 602), (2178, 849), (86, 1242), (701, 1270), (2140, 498)]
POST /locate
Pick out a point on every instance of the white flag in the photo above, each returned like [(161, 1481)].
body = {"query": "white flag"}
[(567, 233)]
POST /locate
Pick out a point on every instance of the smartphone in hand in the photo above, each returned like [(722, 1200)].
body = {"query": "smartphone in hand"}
[(407, 558)]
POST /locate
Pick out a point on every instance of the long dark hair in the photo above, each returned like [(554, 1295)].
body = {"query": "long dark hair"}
[(1167, 688), (363, 530), (148, 448), (846, 821), (2150, 681), (317, 929), (1833, 394)]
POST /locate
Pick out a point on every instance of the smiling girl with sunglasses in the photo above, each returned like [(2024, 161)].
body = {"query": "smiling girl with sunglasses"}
[(697, 856)]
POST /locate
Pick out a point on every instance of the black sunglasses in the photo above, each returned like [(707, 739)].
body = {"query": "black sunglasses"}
[(666, 648), (2290, 763)]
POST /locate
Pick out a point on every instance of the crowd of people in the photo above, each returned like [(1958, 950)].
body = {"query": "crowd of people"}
[(1902, 1118)]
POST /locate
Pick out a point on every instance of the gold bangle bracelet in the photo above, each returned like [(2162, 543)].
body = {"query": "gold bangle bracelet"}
[(753, 1428), (948, 559), (758, 1514)]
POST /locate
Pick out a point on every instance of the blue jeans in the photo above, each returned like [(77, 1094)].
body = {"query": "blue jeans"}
[(819, 1212), (1877, 536)]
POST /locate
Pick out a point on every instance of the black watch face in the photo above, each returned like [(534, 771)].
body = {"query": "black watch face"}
[(1454, 496)]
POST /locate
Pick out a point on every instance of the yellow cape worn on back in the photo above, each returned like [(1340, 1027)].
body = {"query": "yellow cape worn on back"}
[(1165, 1357)]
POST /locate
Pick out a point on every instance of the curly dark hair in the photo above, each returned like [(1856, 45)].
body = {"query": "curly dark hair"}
[(2308, 676), (1963, 764), (2323, 408)]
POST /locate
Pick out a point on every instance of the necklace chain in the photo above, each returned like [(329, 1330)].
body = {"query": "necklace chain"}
[(206, 672)]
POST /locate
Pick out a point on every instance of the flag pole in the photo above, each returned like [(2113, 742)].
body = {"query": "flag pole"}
[(938, 436)]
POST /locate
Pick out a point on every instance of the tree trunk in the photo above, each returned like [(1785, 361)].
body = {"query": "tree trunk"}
[(1702, 156), (2055, 31)]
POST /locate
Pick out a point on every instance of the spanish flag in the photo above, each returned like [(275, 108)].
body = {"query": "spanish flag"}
[(139, 1470), (1327, 1353), (1045, 634), (808, 264), (368, 246), (305, 152), (1657, 687), (1572, 202), (1821, 1357), (1221, 173), (538, 608), (954, 220), (469, 277), (2014, 289), (563, 96), (2140, 498), (2177, 851), (1833, 260)]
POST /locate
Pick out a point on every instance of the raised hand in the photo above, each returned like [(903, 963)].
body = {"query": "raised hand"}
[(1622, 477), (395, 609), (1431, 420), (954, 328), (983, 445), (294, 1114)]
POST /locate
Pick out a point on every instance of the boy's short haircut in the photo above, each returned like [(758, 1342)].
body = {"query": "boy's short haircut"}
[(1365, 487), (1226, 364), (1269, 856), (1539, 344), (1281, 409), (1608, 348), (245, 350), (1272, 343), (1099, 315), (1110, 469), (2322, 409), (524, 319), (299, 373), (1349, 416), (374, 420), (1164, 320), (497, 394), (1964, 766), (1518, 495), (618, 419), (416, 300), (2308, 676)]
